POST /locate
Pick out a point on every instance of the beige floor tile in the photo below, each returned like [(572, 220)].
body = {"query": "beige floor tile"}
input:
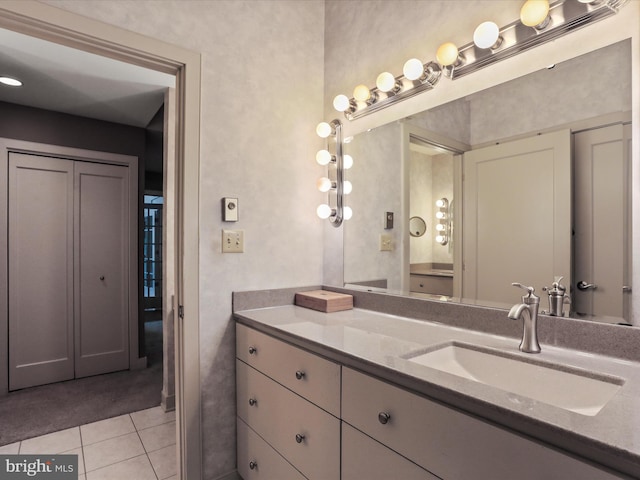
[(78, 452), (106, 429), (152, 417), (52, 443), (114, 450), (158, 437), (164, 462), (137, 468), (11, 449), (82, 477)]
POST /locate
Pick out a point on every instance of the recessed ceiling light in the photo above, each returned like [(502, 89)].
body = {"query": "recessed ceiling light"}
[(11, 82)]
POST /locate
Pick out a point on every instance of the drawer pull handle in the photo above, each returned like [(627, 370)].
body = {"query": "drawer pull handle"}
[(253, 402), (299, 438), (384, 417), (253, 465), (300, 374), (252, 350)]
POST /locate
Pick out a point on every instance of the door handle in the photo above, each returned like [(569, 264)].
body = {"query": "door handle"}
[(584, 286)]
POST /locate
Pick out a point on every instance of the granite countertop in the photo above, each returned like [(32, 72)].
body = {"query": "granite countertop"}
[(380, 343)]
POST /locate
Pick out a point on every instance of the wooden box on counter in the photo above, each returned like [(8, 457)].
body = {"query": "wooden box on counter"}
[(324, 301)]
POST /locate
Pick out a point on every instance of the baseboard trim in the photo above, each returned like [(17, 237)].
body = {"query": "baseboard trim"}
[(168, 402)]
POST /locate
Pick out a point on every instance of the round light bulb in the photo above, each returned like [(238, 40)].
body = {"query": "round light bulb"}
[(341, 103), (323, 157), (324, 184), (413, 69), (361, 93), (347, 188), (347, 213), (447, 54), (10, 81), (486, 35), (386, 82), (440, 238), (534, 12), (440, 203), (440, 215), (324, 129), (440, 227), (347, 162), (324, 211)]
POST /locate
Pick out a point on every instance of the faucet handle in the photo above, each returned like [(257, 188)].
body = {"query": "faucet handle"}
[(530, 297)]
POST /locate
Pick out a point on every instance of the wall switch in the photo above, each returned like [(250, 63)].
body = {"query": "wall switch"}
[(386, 243), (230, 209), (232, 241)]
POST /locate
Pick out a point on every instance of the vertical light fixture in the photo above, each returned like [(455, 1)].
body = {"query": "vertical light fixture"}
[(443, 225), (335, 186)]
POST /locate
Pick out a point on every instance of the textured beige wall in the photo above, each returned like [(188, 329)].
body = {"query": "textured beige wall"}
[(262, 80)]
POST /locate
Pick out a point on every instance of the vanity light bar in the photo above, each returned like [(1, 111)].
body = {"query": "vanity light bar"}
[(564, 17)]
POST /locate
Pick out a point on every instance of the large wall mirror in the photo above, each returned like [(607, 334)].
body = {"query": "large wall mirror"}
[(527, 181)]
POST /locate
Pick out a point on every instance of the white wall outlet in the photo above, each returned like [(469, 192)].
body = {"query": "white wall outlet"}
[(232, 241), (386, 243), (230, 209)]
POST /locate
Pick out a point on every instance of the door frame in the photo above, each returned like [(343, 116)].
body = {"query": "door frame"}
[(66, 28)]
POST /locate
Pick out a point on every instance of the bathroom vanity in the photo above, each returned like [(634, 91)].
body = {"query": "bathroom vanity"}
[(364, 394)]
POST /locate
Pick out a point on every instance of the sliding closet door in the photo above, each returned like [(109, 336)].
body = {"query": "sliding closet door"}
[(40, 270), (102, 268)]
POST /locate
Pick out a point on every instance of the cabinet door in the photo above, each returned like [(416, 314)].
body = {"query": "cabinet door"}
[(40, 270), (258, 461), (451, 444), (101, 268), (364, 458), (304, 434)]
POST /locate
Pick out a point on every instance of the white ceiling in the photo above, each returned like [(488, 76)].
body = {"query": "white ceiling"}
[(66, 80)]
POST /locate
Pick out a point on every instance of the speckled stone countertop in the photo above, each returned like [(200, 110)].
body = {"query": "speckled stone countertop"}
[(381, 343)]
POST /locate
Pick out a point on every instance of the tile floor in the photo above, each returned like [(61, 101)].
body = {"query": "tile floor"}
[(140, 446)]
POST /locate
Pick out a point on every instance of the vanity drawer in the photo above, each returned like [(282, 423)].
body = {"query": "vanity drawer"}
[(301, 432), (257, 460), (451, 444), (313, 377), (364, 458), (435, 285)]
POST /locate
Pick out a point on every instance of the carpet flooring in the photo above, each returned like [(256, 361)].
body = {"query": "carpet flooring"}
[(48, 408)]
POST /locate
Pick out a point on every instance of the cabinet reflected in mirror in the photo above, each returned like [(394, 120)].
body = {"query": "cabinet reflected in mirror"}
[(519, 215)]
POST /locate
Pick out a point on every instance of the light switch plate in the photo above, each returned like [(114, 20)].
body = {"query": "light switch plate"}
[(232, 241), (386, 243), (230, 209)]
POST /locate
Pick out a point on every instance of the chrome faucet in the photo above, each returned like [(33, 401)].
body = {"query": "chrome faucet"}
[(557, 298), (528, 311)]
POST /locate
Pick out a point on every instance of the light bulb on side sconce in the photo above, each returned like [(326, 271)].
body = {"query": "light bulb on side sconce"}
[(347, 187), (347, 213), (347, 162), (324, 211), (441, 215), (441, 239), (324, 184), (413, 69), (324, 130), (341, 103), (447, 54), (487, 35), (386, 82), (362, 93), (440, 227), (535, 13), (323, 157), (442, 203)]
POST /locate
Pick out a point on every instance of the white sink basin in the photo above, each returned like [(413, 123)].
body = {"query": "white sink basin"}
[(562, 387)]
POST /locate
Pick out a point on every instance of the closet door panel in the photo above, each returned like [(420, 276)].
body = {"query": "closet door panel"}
[(40, 270), (101, 268)]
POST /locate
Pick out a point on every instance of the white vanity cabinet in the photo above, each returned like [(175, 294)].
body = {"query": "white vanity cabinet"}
[(284, 396), (449, 443)]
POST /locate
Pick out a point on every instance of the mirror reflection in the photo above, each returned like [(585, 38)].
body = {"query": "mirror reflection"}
[(525, 182)]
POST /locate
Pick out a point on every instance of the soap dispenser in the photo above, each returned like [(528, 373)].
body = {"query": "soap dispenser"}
[(557, 297)]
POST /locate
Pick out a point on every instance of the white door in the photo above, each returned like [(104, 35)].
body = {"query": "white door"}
[(40, 270), (516, 217), (101, 268), (602, 226)]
